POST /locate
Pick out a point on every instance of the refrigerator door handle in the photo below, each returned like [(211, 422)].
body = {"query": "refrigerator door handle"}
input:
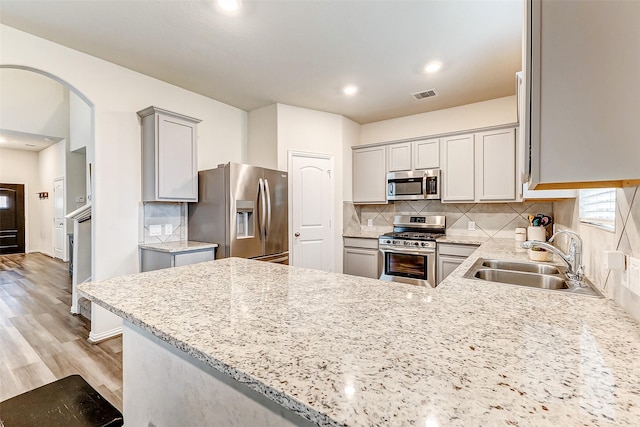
[(263, 210), (268, 222)]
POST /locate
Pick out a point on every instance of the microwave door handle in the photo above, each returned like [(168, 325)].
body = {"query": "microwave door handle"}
[(268, 197), (425, 191)]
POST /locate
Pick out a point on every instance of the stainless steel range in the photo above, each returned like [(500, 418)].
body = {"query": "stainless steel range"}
[(409, 252)]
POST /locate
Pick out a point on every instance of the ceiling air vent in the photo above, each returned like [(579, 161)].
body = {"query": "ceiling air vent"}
[(429, 93)]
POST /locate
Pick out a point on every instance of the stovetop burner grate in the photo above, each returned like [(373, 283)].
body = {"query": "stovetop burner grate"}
[(412, 235)]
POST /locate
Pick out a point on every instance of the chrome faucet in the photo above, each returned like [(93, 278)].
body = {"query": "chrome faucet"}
[(573, 259)]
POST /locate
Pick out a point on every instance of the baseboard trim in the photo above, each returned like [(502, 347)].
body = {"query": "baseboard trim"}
[(96, 338)]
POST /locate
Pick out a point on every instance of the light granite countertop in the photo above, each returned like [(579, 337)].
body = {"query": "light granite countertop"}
[(343, 350), (364, 234), (181, 246)]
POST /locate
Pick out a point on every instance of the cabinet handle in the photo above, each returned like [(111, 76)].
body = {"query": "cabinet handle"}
[(297, 234)]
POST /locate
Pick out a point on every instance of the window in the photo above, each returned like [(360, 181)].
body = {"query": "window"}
[(598, 207)]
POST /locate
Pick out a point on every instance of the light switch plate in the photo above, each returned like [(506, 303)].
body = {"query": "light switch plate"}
[(369, 223), (168, 229), (471, 225), (155, 230)]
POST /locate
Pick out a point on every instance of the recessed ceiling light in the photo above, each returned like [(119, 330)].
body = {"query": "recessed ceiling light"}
[(433, 66), (350, 90), (2, 139), (229, 5), (30, 145)]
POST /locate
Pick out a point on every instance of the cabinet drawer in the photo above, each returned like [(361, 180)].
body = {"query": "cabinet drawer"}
[(456, 249), (358, 242)]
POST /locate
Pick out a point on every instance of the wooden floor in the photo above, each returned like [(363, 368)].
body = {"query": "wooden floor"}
[(40, 341)]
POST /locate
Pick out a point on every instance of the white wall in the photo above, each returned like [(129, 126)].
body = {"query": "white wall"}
[(350, 137), (262, 141), (51, 166), (21, 167), (80, 126), (117, 94), (471, 116), (32, 103)]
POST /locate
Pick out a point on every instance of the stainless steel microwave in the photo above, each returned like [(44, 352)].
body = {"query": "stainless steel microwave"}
[(414, 185)]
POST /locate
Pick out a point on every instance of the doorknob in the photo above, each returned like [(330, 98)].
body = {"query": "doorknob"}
[(297, 234)]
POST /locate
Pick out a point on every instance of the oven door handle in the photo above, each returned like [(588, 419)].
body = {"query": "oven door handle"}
[(420, 251)]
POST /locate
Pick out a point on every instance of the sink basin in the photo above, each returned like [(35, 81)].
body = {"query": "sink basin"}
[(529, 274), (542, 281), (528, 267)]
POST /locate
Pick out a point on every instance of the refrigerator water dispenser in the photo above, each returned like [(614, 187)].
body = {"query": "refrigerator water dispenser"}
[(244, 219)]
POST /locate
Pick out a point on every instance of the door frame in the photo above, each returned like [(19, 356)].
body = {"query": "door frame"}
[(65, 240), (25, 211), (333, 220)]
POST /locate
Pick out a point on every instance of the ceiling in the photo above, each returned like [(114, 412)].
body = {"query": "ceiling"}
[(299, 53), (26, 141)]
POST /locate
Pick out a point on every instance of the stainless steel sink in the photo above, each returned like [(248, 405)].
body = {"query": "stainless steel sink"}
[(530, 274), (528, 267), (542, 281)]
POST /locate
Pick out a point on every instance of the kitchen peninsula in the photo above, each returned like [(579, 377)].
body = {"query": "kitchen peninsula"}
[(242, 342)]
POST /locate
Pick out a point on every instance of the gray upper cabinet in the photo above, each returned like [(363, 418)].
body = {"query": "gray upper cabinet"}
[(415, 155), (582, 62), (169, 156), (399, 157), (370, 175), (426, 154)]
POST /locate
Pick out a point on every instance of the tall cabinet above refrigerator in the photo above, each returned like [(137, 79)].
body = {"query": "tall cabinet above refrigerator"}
[(244, 209)]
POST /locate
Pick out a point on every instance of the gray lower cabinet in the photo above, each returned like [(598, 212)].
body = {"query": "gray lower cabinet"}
[(361, 257), (155, 260), (450, 256)]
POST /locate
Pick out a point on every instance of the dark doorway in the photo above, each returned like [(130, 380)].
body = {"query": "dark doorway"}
[(11, 219)]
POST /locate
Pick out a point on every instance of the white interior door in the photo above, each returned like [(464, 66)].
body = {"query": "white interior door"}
[(311, 211), (58, 219)]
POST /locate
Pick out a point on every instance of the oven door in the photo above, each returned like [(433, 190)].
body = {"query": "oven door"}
[(415, 267)]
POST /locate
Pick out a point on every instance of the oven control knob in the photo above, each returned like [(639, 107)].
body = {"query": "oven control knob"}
[(417, 244), (388, 242), (425, 244)]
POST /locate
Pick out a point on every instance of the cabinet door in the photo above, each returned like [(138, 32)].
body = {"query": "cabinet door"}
[(193, 257), (446, 264), (584, 95), (369, 175), (458, 169), (361, 262), (496, 165), (399, 156), (177, 169), (426, 154)]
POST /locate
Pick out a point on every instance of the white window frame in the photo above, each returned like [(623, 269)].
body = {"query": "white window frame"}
[(597, 207)]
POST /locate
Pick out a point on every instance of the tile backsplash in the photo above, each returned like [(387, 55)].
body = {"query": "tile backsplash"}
[(491, 219), (158, 213), (626, 238)]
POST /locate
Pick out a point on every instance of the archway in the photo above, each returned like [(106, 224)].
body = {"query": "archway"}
[(79, 107)]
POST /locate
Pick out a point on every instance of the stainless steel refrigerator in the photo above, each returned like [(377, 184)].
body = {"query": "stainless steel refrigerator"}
[(244, 209)]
